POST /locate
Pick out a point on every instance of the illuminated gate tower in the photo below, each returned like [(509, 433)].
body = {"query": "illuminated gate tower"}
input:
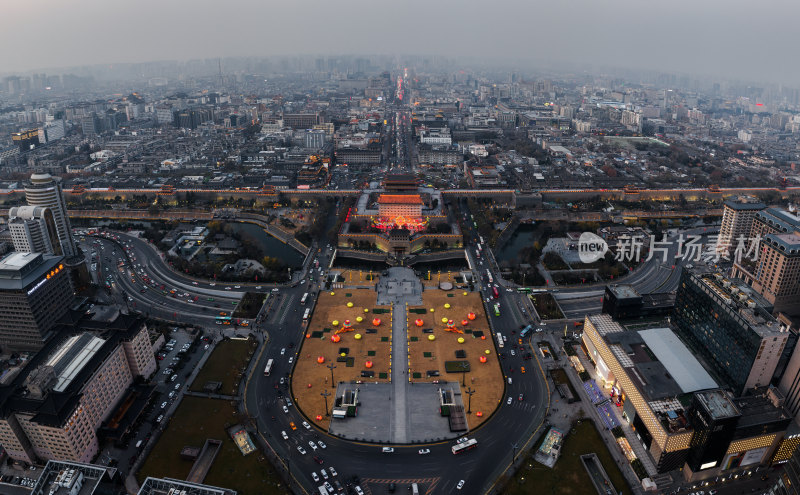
[(400, 211)]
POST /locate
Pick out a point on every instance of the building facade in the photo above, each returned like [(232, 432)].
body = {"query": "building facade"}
[(35, 292), (737, 220), (44, 190), (730, 326), (33, 230)]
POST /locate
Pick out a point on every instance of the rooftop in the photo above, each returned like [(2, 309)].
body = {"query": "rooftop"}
[(624, 291), (400, 199), (58, 477), (18, 270), (718, 404), (786, 243), (677, 359), (750, 307), (741, 205)]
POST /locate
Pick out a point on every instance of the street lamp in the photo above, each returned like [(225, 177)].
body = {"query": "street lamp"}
[(469, 393), (326, 394), (514, 448), (331, 367)]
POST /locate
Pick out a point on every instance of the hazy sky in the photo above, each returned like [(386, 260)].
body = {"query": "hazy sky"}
[(751, 39)]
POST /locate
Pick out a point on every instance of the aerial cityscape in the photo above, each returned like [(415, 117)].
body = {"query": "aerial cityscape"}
[(341, 270)]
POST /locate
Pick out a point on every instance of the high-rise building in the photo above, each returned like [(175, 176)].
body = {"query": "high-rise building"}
[(775, 274), (45, 190), (737, 219), (54, 406), (35, 292), (33, 230), (730, 326)]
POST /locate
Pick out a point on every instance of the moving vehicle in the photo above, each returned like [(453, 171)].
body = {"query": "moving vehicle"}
[(497, 309), (268, 368), (301, 449), (387, 450), (284, 435), (424, 451), (304, 298), (462, 447), (460, 485), (495, 293)]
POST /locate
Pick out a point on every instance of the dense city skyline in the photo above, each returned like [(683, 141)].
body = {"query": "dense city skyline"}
[(726, 40)]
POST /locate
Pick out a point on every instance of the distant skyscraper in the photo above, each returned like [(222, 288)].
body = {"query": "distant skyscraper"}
[(33, 230), (44, 190), (737, 219)]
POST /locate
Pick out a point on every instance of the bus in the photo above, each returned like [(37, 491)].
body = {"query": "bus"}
[(268, 369), (489, 276), (525, 331), (477, 255), (462, 447), (524, 290), (495, 293), (306, 314), (500, 341), (497, 309), (304, 298), (138, 444), (223, 320)]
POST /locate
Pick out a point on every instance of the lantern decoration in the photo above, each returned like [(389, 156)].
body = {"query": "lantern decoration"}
[(465, 293), (461, 340), (479, 414), (444, 320), (418, 322), (343, 354), (431, 337), (487, 351), (335, 338), (450, 323), (319, 417), (308, 335), (464, 323), (483, 359), (376, 322), (350, 305), (357, 336), (432, 310), (309, 385), (446, 305), (471, 316), (347, 323), (335, 323), (366, 310), (483, 337), (368, 364), (321, 359), (333, 293)]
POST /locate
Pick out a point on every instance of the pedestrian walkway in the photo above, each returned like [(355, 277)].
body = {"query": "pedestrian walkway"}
[(399, 427)]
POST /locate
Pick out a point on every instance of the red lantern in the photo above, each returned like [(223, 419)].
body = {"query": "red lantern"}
[(308, 335), (335, 338), (309, 385), (471, 316), (321, 359), (483, 359), (483, 337), (418, 322), (368, 364), (319, 417), (479, 414), (376, 322), (464, 323)]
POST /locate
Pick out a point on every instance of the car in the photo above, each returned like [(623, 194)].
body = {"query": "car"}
[(333, 471), (520, 398), (205, 346), (172, 394), (194, 283), (291, 359), (292, 425), (323, 473), (168, 371), (328, 487), (306, 425), (159, 418), (283, 380), (237, 286), (212, 284), (164, 405), (301, 449), (312, 445), (462, 439), (322, 444), (522, 369), (315, 477), (283, 351), (285, 436), (275, 290), (460, 485), (387, 450), (228, 288), (424, 451), (508, 401), (286, 409), (513, 353)]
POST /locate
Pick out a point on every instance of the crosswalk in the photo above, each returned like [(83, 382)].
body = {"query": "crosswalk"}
[(426, 484)]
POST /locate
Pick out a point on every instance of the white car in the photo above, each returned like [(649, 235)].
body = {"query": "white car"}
[(315, 477), (237, 286), (286, 409), (163, 405), (387, 450), (284, 435), (322, 446), (333, 471), (283, 351), (460, 485), (301, 449), (312, 445), (424, 451), (306, 425), (323, 473), (509, 401), (513, 353), (291, 359)]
